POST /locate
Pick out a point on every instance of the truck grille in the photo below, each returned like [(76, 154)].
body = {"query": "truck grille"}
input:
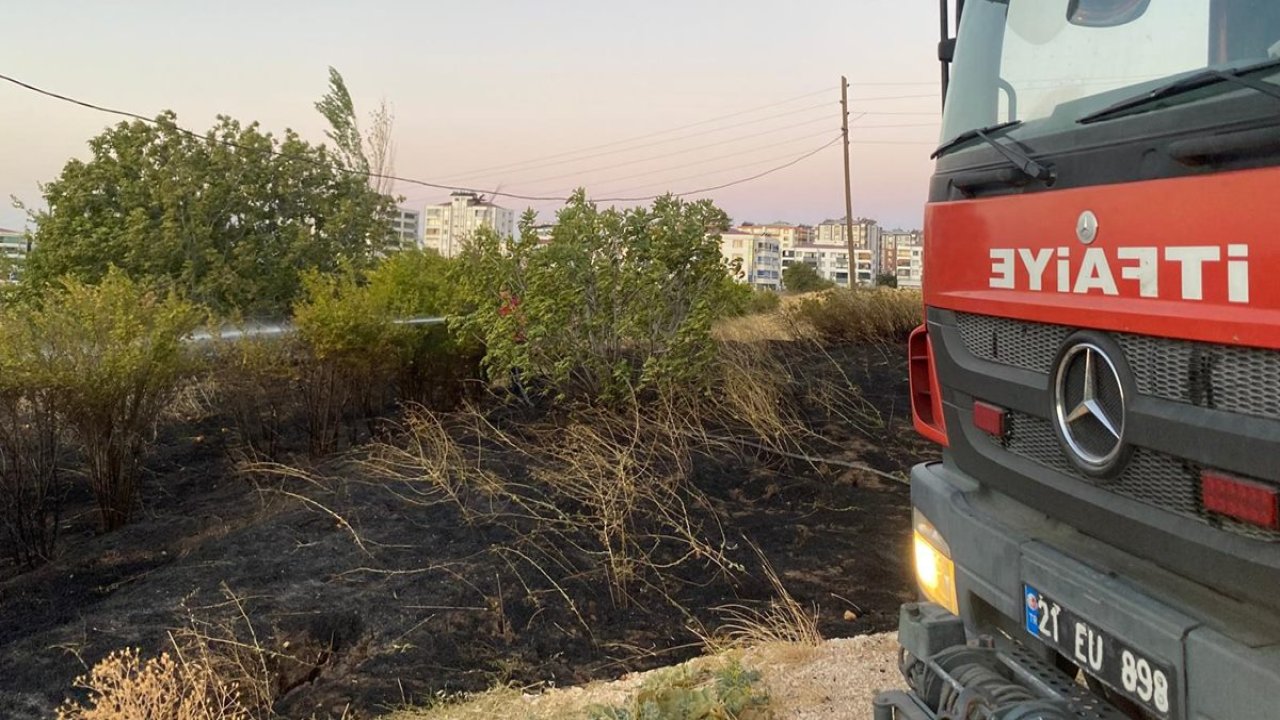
[(1221, 377), (1150, 477)]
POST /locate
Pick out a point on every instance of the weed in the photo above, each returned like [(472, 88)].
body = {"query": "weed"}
[(123, 686), (857, 315), (782, 621), (731, 692)]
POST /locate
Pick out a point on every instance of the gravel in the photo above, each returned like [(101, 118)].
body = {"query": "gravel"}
[(835, 681)]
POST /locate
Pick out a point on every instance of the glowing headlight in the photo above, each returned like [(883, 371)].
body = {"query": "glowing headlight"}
[(935, 572)]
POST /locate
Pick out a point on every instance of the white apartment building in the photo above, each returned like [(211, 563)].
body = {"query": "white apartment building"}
[(447, 227), (832, 262), (407, 226), (13, 252), (758, 258), (909, 266)]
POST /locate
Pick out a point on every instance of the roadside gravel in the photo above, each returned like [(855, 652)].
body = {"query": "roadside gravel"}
[(833, 681)]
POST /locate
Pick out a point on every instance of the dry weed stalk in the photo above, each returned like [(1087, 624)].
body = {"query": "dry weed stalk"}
[(428, 465), (601, 495), (782, 620), (125, 687)]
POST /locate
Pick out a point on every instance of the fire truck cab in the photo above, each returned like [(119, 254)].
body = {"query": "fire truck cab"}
[(1100, 363)]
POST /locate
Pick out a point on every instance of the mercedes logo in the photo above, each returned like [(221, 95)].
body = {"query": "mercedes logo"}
[(1089, 408), (1087, 227)]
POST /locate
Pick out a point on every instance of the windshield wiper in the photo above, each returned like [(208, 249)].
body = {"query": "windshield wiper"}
[(973, 134), (1195, 81), (1023, 162)]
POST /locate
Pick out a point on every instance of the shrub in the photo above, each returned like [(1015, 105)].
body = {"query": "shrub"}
[(859, 315), (684, 693), (31, 440), (354, 351), (801, 278), (257, 382), (115, 355), (617, 301), (764, 301), (432, 362), (125, 687), (349, 353)]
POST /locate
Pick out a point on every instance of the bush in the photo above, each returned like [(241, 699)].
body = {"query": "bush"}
[(617, 302), (859, 315), (432, 363), (31, 439), (738, 300), (764, 301), (347, 342), (683, 693), (354, 352), (801, 278), (257, 384), (114, 355), (125, 687)]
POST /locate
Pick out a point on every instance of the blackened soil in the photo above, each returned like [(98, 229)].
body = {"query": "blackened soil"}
[(423, 604)]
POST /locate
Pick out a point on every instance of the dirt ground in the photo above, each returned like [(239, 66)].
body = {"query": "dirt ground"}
[(420, 607)]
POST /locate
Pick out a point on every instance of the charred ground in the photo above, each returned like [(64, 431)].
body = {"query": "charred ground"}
[(382, 603)]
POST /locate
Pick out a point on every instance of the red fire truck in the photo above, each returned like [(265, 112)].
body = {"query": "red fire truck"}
[(1100, 362)]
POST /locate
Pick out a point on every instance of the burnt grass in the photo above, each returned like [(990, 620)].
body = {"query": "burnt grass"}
[(421, 607)]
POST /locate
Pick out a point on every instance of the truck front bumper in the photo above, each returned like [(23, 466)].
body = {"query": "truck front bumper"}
[(1220, 658)]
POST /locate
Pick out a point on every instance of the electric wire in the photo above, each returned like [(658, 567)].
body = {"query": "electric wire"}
[(717, 171), (397, 178), (675, 154), (565, 157), (656, 133), (511, 168)]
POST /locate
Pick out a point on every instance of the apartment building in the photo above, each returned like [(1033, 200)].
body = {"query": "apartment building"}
[(407, 226), (787, 235), (447, 227), (832, 262), (901, 252), (14, 247), (756, 258), (866, 233)]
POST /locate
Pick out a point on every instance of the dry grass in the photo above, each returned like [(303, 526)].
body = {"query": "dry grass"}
[(603, 496), (123, 686), (858, 315), (220, 666), (783, 621), (754, 328)]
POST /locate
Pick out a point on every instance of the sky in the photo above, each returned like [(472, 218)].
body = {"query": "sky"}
[(533, 97)]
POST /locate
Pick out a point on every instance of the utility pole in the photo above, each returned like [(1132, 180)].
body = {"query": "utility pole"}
[(848, 192)]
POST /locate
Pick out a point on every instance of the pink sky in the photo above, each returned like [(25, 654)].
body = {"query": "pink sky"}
[(476, 86)]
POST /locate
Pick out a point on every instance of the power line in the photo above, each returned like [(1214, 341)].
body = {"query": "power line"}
[(396, 178), (732, 183), (677, 167), (483, 172), (653, 134), (513, 167)]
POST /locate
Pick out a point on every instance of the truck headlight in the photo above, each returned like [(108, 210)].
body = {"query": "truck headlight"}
[(935, 572)]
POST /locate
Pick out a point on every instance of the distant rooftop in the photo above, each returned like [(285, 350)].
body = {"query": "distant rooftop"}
[(7, 231)]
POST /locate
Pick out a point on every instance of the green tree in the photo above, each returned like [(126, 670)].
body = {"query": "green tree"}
[(801, 277), (230, 219), (371, 152)]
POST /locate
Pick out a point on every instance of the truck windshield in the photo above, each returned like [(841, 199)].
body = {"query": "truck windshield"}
[(1050, 63)]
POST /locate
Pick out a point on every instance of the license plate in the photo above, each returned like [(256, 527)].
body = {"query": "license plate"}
[(1118, 665)]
